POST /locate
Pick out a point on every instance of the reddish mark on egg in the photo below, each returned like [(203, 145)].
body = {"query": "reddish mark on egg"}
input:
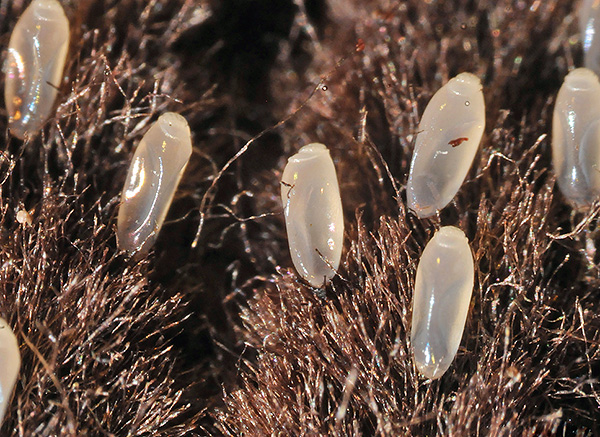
[(457, 142), (360, 45)]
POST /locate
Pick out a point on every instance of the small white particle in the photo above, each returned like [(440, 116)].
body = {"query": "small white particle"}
[(23, 217)]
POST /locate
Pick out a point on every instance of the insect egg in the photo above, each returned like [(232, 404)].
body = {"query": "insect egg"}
[(313, 213), (443, 288), (589, 19), (10, 363), (37, 52), (153, 176), (438, 167), (576, 137)]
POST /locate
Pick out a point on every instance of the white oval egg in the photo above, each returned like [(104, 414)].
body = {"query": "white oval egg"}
[(157, 166), (313, 213), (443, 289), (37, 52), (576, 137), (589, 26), (10, 363), (447, 139)]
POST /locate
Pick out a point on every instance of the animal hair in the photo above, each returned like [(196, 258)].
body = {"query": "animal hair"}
[(214, 333)]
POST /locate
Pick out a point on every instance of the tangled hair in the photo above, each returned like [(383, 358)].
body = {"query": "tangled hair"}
[(213, 332)]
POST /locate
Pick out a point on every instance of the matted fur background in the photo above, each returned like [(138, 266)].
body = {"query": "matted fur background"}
[(213, 333)]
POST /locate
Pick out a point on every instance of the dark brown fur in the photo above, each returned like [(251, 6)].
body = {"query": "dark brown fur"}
[(220, 337)]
